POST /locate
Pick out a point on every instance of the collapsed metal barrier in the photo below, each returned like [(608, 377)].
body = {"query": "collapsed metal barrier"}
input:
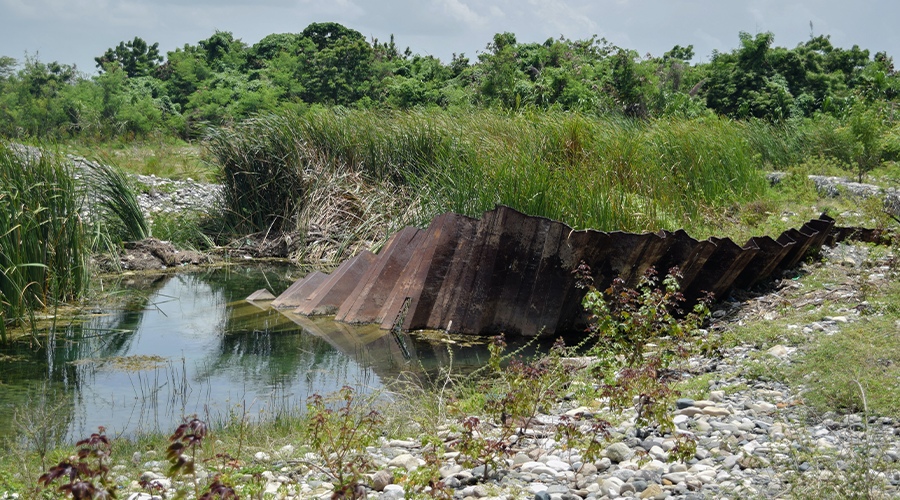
[(513, 273)]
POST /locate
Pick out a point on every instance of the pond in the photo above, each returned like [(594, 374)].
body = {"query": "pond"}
[(188, 343)]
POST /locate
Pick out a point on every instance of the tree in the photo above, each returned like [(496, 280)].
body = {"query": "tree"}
[(223, 51), (135, 57), (7, 67), (680, 53), (744, 83), (627, 84), (273, 46), (341, 66), (324, 35)]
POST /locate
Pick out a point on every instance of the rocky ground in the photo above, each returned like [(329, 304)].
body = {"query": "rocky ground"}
[(156, 194), (756, 438)]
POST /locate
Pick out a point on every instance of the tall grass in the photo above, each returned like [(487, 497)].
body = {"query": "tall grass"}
[(43, 249), (264, 168), (113, 196), (603, 173)]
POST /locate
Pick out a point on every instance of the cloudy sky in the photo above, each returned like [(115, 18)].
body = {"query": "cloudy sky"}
[(76, 31)]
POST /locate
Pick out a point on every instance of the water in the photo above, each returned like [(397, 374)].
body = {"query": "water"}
[(189, 343)]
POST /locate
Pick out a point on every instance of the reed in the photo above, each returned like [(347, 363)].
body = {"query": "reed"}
[(44, 252), (607, 173), (115, 202)]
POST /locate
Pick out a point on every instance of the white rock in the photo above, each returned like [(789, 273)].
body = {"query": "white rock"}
[(611, 486), (262, 456), (536, 487), (400, 460), (779, 351), (714, 411), (392, 492), (558, 465), (676, 477), (529, 466)]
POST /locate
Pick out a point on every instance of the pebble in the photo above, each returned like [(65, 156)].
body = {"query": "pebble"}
[(381, 479), (749, 433)]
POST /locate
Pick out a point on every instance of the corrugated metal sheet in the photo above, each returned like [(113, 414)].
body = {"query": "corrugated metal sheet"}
[(512, 273)]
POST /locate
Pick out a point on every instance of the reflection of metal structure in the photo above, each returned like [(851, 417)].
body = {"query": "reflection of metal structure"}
[(510, 272)]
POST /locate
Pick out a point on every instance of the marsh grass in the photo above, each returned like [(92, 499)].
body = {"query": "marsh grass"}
[(44, 251), (115, 203), (602, 173)]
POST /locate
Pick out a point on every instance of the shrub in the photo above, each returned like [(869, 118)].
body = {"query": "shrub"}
[(640, 334)]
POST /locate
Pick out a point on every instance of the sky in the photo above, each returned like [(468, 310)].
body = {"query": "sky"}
[(76, 31)]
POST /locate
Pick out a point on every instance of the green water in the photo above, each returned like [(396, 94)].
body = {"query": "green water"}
[(189, 343)]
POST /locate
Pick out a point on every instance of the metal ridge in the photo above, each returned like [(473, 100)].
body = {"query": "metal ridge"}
[(512, 273)]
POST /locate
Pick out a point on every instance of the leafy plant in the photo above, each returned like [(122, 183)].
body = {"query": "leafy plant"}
[(88, 475), (340, 437), (640, 333), (44, 251), (590, 436)]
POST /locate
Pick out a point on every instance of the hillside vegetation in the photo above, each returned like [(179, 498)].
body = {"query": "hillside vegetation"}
[(221, 80)]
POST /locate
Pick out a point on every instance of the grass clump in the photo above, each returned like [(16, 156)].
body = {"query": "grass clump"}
[(264, 174), (44, 251), (603, 173), (866, 353), (116, 202)]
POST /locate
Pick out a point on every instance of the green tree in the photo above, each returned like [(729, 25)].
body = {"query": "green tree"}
[(744, 84), (7, 67), (340, 69), (135, 57), (222, 51)]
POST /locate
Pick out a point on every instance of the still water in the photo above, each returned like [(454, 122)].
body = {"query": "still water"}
[(188, 343)]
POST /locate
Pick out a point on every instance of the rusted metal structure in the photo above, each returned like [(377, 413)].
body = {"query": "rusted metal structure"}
[(513, 273)]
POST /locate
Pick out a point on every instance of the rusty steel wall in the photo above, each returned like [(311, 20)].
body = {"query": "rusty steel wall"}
[(513, 273)]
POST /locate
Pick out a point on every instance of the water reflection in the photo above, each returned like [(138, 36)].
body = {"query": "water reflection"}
[(188, 343)]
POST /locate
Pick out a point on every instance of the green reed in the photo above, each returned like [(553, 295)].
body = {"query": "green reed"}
[(603, 173), (44, 252)]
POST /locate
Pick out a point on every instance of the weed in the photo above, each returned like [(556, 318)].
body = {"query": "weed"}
[(866, 352), (480, 449), (42, 421), (639, 336), (117, 204), (340, 436), (589, 436), (88, 475)]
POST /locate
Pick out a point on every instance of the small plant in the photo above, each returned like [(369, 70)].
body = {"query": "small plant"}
[(590, 436), (219, 491), (640, 333), (340, 437), (514, 397), (480, 449), (424, 480), (116, 201), (87, 473), (187, 436)]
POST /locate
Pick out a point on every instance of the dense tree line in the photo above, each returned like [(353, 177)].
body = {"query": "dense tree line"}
[(222, 79)]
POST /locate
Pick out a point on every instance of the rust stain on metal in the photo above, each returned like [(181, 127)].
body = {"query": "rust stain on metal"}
[(512, 273), (298, 293), (327, 298)]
